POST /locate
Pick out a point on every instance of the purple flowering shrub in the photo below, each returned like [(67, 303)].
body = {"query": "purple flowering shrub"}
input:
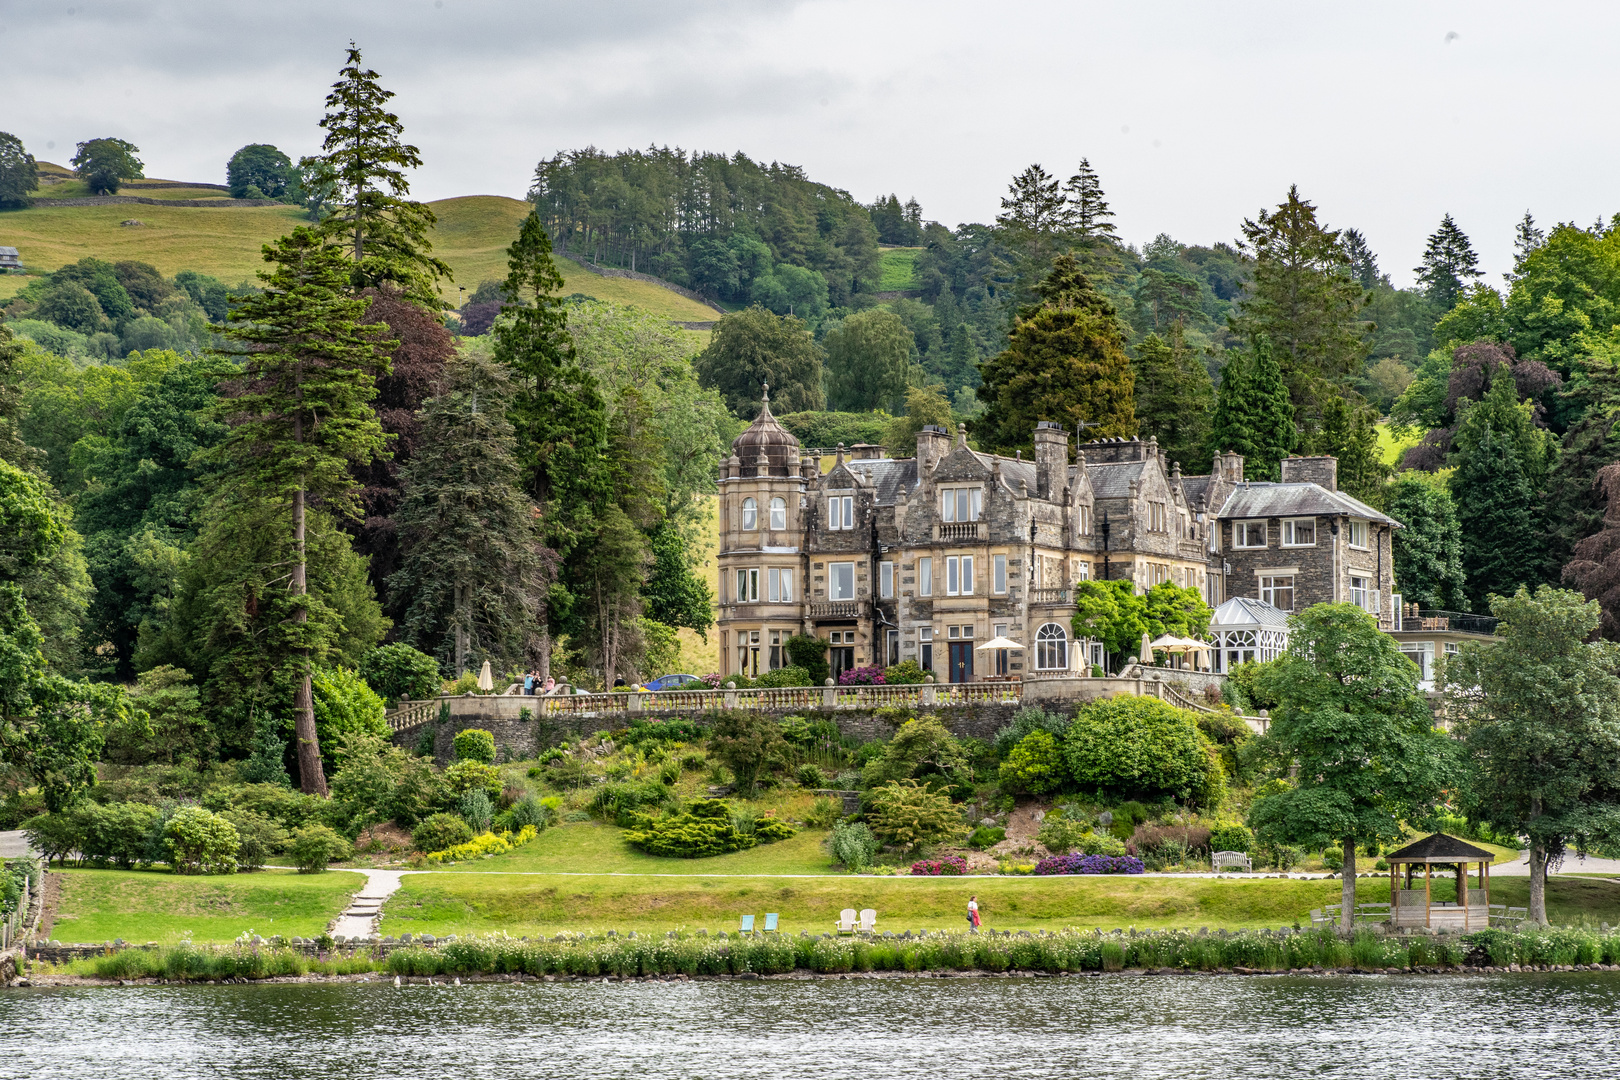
[(1089, 864), (950, 864), (861, 676)]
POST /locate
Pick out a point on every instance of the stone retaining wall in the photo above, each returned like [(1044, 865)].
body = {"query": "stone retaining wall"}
[(524, 738)]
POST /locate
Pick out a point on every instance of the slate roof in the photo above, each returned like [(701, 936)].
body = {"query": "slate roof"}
[(1196, 489), (1439, 848), (1112, 480), (889, 476), (1260, 500)]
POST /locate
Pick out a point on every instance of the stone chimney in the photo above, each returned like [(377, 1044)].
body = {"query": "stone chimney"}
[(1051, 459), (1229, 467), (933, 443), (1323, 470)]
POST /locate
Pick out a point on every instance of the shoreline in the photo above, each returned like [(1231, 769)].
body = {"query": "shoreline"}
[(52, 980)]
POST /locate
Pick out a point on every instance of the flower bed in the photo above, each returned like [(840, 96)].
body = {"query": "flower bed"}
[(950, 864), (1090, 864), (487, 844)]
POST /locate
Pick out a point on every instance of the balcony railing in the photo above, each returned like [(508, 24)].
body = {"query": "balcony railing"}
[(1458, 621), (959, 530), (836, 609), (1059, 595)]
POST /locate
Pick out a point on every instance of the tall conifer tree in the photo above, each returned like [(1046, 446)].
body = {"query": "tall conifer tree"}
[(1428, 548), (1174, 397), (1091, 211), (1065, 362), (386, 233), (1253, 415), (1449, 265), (300, 418)]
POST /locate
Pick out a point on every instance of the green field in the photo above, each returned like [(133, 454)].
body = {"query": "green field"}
[(899, 269), (472, 236), (1391, 446), (153, 905)]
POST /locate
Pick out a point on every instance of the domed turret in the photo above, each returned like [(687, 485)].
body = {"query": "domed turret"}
[(766, 448)]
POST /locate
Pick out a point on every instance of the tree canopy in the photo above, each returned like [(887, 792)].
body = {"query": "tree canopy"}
[(102, 163)]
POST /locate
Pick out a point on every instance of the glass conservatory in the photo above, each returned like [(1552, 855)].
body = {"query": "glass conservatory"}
[(1244, 629)]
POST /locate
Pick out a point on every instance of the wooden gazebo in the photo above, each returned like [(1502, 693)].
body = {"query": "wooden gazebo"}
[(1410, 906)]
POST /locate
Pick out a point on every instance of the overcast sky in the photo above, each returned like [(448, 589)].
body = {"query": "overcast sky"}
[(1195, 115)]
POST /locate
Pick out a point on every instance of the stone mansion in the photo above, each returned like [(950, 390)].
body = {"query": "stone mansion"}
[(926, 557)]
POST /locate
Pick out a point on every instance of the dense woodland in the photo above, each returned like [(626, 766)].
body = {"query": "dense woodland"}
[(228, 500)]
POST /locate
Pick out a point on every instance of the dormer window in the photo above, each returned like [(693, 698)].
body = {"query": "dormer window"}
[(1299, 532), (778, 514), (960, 504), (750, 510)]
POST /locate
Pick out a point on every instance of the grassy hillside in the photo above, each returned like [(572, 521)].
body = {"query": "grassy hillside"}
[(899, 269), (472, 236)]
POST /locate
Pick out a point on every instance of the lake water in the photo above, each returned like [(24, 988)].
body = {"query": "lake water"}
[(1542, 1025)]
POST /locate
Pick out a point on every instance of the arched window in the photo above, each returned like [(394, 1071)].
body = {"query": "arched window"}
[(778, 514), (750, 515), (1051, 648)]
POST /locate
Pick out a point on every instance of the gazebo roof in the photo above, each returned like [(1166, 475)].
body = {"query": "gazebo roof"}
[(1242, 612), (1439, 848)]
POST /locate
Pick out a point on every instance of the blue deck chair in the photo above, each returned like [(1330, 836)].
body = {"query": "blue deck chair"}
[(747, 925), (770, 922)]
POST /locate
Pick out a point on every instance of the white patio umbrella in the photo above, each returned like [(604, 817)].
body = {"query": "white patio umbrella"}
[(1001, 643), (486, 678)]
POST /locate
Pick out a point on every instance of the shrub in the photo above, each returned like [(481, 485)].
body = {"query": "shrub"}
[(476, 809), (1034, 766), (1230, 838), (853, 844), (1029, 718), (485, 844), (114, 834), (1333, 859), (1171, 843), (1062, 835), (259, 838), (345, 704), (475, 744), (1143, 746), (621, 803), (200, 842), (54, 835), (746, 742), (465, 683), (466, 775), (861, 676), (314, 847), (787, 676), (986, 836), (811, 777), (908, 814), (921, 749), (441, 831), (950, 864), (567, 773), (705, 828), (397, 671), (823, 813), (810, 653), (1090, 864), (905, 673)]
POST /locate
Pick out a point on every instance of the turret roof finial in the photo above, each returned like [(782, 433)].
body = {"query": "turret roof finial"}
[(765, 390)]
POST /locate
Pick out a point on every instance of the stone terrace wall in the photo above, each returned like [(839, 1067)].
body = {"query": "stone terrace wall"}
[(525, 738)]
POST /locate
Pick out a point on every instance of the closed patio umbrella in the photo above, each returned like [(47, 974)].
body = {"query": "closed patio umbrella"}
[(486, 678)]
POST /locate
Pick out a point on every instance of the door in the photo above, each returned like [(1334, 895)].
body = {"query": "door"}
[(961, 661)]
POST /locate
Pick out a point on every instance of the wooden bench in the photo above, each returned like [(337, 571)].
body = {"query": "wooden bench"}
[(1222, 860)]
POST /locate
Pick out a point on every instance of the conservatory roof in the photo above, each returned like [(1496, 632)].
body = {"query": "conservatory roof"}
[(1241, 611)]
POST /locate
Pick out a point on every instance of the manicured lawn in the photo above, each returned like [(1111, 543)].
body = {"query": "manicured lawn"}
[(588, 847), (545, 904), (153, 905)]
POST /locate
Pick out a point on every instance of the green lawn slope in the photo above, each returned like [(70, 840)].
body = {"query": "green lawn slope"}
[(153, 905), (225, 241), (898, 269)]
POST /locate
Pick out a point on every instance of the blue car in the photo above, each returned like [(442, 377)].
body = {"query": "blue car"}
[(676, 682)]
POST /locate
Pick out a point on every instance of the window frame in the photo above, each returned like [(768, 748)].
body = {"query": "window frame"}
[(840, 513), (1051, 647), (778, 512), (1290, 527), (925, 575), (779, 585), (750, 515), (833, 571), (1269, 589), (1240, 534), (998, 574), (1364, 528), (886, 580)]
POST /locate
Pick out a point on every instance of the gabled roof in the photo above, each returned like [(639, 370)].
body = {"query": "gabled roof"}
[(1440, 848), (887, 476), (1267, 499), (1112, 480), (1196, 489), (1243, 611)]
